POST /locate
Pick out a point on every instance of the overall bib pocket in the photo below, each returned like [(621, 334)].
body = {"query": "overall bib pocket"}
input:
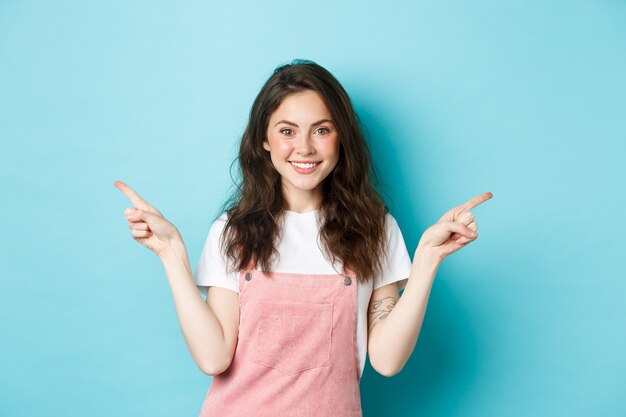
[(293, 337)]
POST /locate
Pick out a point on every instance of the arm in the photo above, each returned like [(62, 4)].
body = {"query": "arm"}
[(394, 325), (211, 345), (210, 329), (393, 333)]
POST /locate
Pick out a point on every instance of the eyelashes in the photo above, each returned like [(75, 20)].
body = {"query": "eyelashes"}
[(289, 132)]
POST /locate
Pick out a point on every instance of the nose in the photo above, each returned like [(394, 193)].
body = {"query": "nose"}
[(304, 145)]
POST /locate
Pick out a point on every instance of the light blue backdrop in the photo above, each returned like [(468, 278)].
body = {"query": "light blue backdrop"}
[(525, 99)]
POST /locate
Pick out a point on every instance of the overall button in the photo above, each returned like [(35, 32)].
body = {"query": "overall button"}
[(347, 281), (248, 276)]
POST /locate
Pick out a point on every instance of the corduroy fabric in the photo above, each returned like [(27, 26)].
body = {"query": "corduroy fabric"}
[(296, 351)]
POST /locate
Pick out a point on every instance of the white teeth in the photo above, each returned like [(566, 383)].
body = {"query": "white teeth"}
[(304, 166)]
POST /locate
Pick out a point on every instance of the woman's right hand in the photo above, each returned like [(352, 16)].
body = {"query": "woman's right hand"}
[(147, 224)]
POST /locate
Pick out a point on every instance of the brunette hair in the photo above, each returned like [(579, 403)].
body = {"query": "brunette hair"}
[(352, 214)]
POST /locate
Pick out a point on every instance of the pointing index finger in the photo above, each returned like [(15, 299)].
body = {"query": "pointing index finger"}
[(474, 201), (131, 194)]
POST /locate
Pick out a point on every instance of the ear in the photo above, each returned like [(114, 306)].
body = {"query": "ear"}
[(266, 145)]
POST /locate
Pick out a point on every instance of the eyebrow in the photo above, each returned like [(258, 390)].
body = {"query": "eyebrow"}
[(319, 122)]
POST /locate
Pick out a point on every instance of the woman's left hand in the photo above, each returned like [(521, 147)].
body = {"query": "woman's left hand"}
[(453, 230)]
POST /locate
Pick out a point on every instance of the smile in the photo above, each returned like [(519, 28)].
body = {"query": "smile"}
[(304, 168)]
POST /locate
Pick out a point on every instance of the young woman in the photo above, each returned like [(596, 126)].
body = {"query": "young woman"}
[(302, 269)]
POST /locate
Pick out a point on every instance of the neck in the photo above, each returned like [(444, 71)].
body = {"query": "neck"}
[(303, 201)]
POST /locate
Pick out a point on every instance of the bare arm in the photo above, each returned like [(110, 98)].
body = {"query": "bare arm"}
[(394, 325), (210, 330), (211, 346)]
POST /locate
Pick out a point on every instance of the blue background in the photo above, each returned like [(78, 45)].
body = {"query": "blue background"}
[(526, 99)]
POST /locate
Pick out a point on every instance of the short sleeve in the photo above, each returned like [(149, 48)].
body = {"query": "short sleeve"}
[(211, 269), (396, 266)]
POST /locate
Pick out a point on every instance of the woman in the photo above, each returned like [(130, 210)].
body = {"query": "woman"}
[(303, 266)]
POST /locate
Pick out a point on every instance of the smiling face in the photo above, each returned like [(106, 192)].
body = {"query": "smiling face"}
[(304, 148)]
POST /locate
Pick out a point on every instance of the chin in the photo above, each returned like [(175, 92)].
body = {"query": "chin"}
[(307, 188)]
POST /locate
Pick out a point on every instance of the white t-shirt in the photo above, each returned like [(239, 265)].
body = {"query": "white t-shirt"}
[(300, 252)]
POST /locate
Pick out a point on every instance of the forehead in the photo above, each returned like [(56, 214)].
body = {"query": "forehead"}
[(304, 106)]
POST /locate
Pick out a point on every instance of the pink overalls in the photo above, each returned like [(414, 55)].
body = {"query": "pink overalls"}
[(296, 353)]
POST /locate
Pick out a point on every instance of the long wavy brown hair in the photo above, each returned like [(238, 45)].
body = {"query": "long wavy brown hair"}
[(352, 214)]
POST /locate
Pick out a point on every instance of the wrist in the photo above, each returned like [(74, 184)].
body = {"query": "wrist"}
[(426, 257), (175, 248)]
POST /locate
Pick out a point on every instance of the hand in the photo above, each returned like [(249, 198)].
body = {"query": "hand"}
[(453, 230), (147, 224)]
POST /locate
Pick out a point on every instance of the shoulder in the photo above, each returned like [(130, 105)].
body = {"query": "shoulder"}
[(222, 218), (389, 219), (393, 234), (391, 225), (217, 227)]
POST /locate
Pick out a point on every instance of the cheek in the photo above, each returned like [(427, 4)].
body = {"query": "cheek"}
[(331, 147), (282, 148), (279, 150)]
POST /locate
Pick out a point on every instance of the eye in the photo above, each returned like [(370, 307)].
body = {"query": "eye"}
[(324, 130), (286, 131)]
